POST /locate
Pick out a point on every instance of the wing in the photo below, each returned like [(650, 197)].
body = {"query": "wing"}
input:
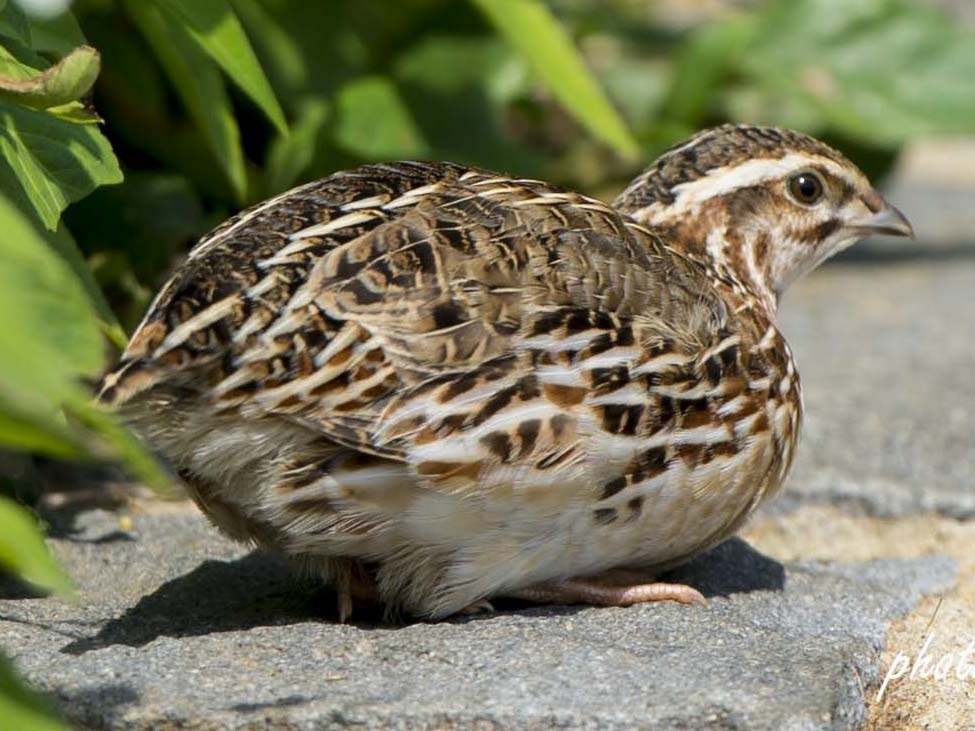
[(474, 325)]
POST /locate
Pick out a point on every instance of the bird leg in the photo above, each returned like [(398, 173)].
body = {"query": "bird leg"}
[(593, 591), (481, 606), (352, 581)]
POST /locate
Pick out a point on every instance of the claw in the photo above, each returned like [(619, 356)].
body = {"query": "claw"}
[(352, 582), (481, 606)]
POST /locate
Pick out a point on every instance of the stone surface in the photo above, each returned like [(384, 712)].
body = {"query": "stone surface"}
[(177, 628), (885, 343)]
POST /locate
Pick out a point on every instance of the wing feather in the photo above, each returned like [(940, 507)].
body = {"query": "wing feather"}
[(451, 318)]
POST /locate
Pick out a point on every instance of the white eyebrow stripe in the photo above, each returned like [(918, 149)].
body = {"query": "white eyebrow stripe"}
[(720, 181)]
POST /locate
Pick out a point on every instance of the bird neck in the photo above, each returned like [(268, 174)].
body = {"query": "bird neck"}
[(744, 255), (738, 258)]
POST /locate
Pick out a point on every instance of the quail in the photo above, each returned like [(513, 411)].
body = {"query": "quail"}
[(433, 384)]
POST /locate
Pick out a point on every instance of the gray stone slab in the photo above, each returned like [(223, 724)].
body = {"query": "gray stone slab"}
[(176, 628), (886, 350)]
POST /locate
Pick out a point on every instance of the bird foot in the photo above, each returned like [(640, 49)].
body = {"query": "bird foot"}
[(353, 583), (590, 591), (481, 606)]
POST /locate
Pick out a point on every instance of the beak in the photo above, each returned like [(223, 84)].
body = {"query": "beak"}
[(886, 221)]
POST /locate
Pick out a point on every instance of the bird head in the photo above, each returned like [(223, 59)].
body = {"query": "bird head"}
[(769, 204)]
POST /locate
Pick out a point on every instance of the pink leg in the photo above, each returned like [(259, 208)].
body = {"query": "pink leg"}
[(588, 591)]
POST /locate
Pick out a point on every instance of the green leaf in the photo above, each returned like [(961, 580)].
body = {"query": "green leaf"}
[(881, 72), (14, 24), (215, 27), (50, 335), (66, 81), (450, 64), (461, 92), (39, 432), (22, 708), (704, 62), (49, 338), (124, 446), (23, 551), (75, 112), (285, 62), (291, 155), (374, 122), (199, 84), (532, 29), (51, 162), (64, 244), (58, 35)]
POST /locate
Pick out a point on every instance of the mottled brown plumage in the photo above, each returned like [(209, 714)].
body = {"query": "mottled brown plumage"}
[(444, 384)]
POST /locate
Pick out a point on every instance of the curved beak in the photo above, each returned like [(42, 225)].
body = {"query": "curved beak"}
[(884, 220)]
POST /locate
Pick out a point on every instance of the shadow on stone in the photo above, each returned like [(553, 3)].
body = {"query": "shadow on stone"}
[(13, 588), (217, 596), (732, 567), (262, 590), (291, 700), (96, 707)]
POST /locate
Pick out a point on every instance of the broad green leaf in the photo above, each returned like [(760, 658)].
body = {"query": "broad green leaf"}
[(22, 708), (122, 444), (66, 81), (14, 24), (17, 61), (881, 71), (215, 27), (284, 60), (39, 433), (532, 29), (48, 339), (374, 122), (23, 551), (58, 35), (75, 112), (155, 126), (50, 162), (291, 155), (40, 289), (197, 80), (64, 244)]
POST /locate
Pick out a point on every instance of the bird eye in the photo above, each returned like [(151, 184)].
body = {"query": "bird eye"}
[(806, 188)]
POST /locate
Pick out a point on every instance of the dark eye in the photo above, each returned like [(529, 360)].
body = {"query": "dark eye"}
[(807, 188)]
